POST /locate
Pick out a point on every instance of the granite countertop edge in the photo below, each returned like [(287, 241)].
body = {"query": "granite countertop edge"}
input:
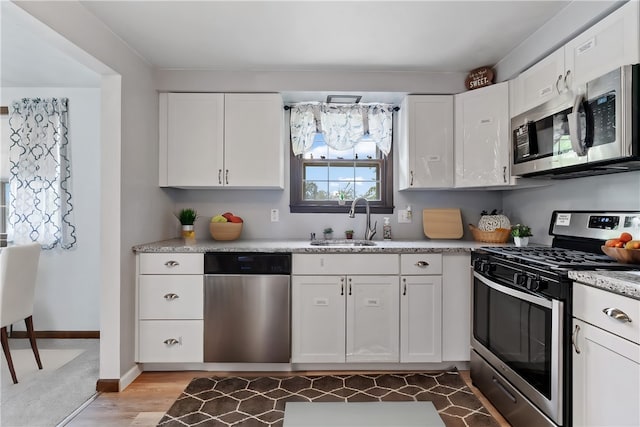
[(303, 246), (619, 282)]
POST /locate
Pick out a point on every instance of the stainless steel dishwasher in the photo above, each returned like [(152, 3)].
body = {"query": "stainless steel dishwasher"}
[(247, 307)]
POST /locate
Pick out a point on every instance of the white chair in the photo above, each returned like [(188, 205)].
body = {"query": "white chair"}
[(18, 270)]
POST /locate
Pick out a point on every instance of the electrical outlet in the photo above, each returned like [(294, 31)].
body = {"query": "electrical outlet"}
[(404, 216), (275, 215)]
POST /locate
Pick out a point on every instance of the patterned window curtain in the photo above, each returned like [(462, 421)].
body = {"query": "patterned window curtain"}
[(40, 174), (342, 126)]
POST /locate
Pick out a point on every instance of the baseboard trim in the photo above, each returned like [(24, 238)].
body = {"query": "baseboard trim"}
[(129, 377), (58, 334), (108, 385)]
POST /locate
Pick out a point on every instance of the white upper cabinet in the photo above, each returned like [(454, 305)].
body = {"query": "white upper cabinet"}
[(540, 83), (425, 146), (611, 43), (482, 137), (212, 140), (253, 138), (191, 139)]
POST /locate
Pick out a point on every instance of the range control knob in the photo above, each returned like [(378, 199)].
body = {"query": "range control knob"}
[(519, 279), (486, 266), (536, 283)]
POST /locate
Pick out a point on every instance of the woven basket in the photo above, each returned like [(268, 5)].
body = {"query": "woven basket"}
[(499, 235)]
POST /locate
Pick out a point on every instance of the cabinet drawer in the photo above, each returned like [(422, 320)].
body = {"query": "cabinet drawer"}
[(421, 264), (345, 264), (171, 263), (588, 303), (171, 341), (170, 297)]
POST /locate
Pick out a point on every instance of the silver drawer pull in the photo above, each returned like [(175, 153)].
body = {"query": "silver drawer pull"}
[(422, 264), (617, 314), (171, 297), (172, 264), (171, 341), (574, 339)]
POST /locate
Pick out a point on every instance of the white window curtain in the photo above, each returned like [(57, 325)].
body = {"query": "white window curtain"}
[(40, 174), (342, 126)]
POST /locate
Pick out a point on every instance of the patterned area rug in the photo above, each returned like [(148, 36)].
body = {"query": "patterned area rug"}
[(259, 401)]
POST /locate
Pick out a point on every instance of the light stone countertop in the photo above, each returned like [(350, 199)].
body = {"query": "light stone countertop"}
[(303, 246), (625, 283)]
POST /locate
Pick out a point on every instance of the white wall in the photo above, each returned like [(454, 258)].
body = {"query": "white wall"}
[(606, 192), (134, 208), (68, 285)]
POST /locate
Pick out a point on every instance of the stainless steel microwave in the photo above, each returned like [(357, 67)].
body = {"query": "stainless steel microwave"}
[(588, 131)]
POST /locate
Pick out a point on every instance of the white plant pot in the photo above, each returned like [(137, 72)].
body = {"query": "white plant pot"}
[(521, 241)]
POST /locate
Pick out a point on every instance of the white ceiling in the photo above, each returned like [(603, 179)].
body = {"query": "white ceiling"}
[(435, 36)]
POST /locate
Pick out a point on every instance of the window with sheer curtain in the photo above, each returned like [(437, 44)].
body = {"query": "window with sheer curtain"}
[(339, 153), (40, 202)]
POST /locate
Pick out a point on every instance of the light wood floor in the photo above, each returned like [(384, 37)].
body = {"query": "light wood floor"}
[(144, 402)]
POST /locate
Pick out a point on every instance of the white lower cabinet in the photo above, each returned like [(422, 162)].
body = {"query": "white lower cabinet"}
[(337, 319), (606, 366), (421, 319), (169, 308)]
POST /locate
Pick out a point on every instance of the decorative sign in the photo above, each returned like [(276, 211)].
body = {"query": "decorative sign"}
[(479, 77)]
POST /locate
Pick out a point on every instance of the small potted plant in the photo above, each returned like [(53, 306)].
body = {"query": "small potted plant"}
[(187, 218), (328, 233), (521, 234), (348, 234)]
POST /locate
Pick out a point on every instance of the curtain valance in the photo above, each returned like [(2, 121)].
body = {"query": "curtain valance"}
[(342, 126)]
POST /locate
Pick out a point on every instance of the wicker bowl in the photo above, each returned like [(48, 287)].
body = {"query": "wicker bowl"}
[(499, 235), (225, 230), (625, 256)]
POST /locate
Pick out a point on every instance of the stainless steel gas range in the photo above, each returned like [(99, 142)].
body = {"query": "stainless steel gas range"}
[(521, 315)]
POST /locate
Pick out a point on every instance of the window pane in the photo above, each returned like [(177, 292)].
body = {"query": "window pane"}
[(343, 154), (341, 172), (367, 173), (368, 190), (316, 173), (318, 149), (316, 190), (366, 149)]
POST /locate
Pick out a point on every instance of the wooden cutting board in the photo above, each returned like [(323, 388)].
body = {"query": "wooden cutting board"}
[(442, 223)]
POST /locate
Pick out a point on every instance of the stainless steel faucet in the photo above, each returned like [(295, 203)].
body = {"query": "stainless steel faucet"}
[(369, 232)]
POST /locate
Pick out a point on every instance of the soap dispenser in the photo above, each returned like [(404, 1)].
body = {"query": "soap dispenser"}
[(386, 229)]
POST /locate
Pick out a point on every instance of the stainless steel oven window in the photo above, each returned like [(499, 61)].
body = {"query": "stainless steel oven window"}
[(528, 354)]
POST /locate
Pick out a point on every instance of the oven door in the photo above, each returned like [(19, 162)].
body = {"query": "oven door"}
[(520, 335)]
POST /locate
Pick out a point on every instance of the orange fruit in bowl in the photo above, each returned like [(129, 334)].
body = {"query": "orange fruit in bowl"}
[(625, 237), (611, 243)]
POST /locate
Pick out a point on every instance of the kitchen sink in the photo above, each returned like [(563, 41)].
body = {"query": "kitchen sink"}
[(342, 242)]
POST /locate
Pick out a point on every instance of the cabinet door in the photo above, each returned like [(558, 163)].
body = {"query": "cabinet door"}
[(372, 319), (482, 142), (606, 378), (421, 319), (426, 142), (318, 319), (540, 83), (194, 140), (254, 144), (609, 44)]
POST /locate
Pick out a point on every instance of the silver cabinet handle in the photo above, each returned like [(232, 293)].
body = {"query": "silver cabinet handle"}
[(171, 297), (349, 286), (617, 314), (171, 264), (404, 286), (566, 76), (342, 286), (411, 173), (226, 176), (574, 339), (504, 174), (558, 81), (219, 176), (422, 264), (171, 341)]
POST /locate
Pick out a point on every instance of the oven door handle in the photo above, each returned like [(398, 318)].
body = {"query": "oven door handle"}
[(514, 293)]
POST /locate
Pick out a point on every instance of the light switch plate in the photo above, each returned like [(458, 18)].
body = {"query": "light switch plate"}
[(275, 215), (404, 217)]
